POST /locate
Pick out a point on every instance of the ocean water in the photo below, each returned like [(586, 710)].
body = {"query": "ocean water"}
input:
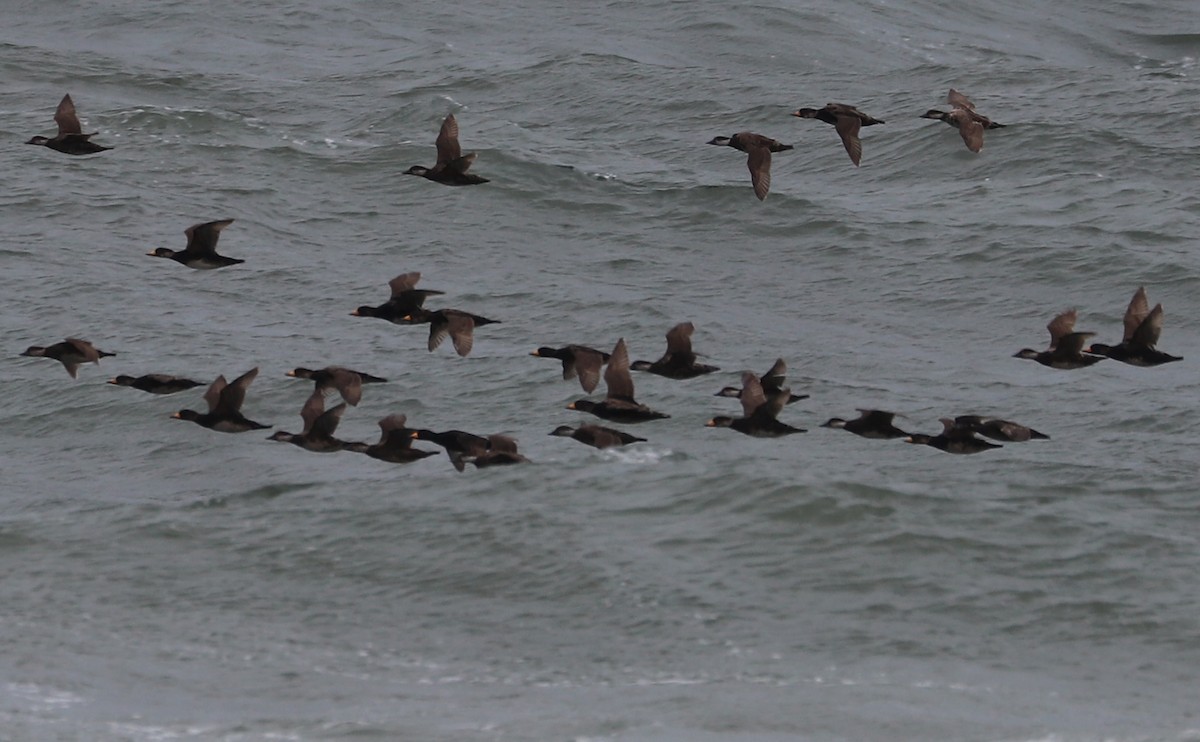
[(165, 582)]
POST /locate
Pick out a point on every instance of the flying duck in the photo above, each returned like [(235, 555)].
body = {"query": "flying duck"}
[(679, 362), (348, 383), (405, 300), (758, 412), (459, 326), (70, 138), (1066, 345), (156, 383), (847, 120), (71, 353), (952, 439), (772, 381), (452, 164), (962, 116), (759, 149), (1142, 328), (869, 424), (201, 250), (577, 360), (619, 404), (224, 406)]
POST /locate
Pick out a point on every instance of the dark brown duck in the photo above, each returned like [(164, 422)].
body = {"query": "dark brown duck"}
[(759, 412), (225, 406), (847, 120), (71, 353), (1143, 326), (758, 149), (452, 165), (952, 439), (70, 138), (156, 383), (319, 426), (1066, 345), (201, 250), (679, 362), (772, 382), (577, 360), (348, 383), (455, 324), (405, 300), (962, 116), (618, 404), (596, 436), (869, 424), (395, 443)]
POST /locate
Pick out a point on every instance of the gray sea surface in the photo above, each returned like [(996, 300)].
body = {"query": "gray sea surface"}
[(167, 582)]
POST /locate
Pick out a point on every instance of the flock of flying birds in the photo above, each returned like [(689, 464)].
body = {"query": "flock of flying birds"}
[(762, 398)]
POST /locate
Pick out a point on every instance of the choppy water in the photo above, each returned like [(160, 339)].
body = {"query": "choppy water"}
[(166, 582)]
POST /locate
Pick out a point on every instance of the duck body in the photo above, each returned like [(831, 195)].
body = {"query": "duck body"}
[(597, 436), (759, 412), (452, 165), (876, 424), (953, 439), (577, 361), (619, 404), (348, 383), (70, 139), (405, 300), (319, 427), (997, 429), (156, 383), (224, 406), (462, 447), (1143, 326), (962, 116), (772, 383), (71, 353), (455, 324), (759, 149), (395, 443), (201, 250), (1066, 345), (847, 120), (679, 362)]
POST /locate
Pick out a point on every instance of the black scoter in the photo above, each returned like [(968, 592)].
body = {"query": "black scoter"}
[(759, 412), (997, 429), (1066, 345), (71, 353), (1142, 328), (679, 362), (759, 149), (319, 426), (459, 326), (224, 406), (201, 250), (156, 383), (395, 443), (772, 382), (847, 120), (962, 116), (405, 300), (70, 138), (577, 360), (618, 404), (952, 439), (597, 436), (452, 165), (348, 383), (869, 424)]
